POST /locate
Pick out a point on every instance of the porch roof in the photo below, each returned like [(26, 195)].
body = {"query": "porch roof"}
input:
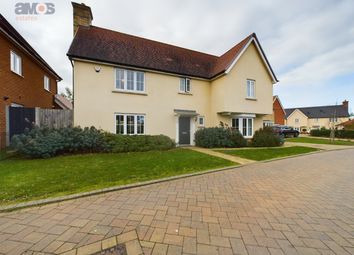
[(180, 112)]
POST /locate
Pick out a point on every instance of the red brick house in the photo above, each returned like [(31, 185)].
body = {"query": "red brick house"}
[(26, 79), (278, 111)]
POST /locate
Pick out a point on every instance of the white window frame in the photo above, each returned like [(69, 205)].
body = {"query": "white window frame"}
[(46, 82), (203, 121), (15, 63), (267, 123), (125, 81), (185, 85), (240, 126), (251, 89), (125, 122)]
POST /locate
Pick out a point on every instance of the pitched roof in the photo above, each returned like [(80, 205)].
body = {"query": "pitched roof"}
[(276, 98), (63, 102), (99, 44), (327, 111), (10, 32), (347, 123)]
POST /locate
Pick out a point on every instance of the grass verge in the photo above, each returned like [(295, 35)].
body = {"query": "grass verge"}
[(268, 153), (319, 141), (24, 180)]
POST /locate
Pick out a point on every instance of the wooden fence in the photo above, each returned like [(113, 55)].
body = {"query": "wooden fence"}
[(20, 118), (54, 118)]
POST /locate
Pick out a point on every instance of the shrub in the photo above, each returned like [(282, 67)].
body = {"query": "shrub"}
[(218, 137), (320, 132), (124, 143), (265, 137), (343, 133), (45, 142)]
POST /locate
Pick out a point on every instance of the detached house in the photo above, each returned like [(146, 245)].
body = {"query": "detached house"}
[(26, 79), (304, 119), (130, 85)]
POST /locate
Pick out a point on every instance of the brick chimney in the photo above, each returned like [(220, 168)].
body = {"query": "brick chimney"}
[(346, 104), (82, 15)]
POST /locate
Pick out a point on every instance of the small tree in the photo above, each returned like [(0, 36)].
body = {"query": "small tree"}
[(332, 127)]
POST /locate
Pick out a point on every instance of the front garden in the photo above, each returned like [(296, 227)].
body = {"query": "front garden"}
[(24, 179), (49, 163)]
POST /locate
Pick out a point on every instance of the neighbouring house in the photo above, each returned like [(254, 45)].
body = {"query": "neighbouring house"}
[(126, 84), (62, 102), (347, 125), (306, 118), (278, 115), (26, 79)]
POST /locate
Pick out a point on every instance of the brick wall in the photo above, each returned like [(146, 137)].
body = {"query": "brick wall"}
[(279, 116), (27, 90)]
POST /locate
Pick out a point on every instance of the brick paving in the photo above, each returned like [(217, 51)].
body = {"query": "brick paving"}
[(302, 205)]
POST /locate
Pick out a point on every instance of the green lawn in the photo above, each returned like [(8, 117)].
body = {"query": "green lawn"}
[(2, 154), (24, 180), (318, 141), (268, 153)]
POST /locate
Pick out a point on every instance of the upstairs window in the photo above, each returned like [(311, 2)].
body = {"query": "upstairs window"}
[(129, 80), (16, 63), (251, 93), (46, 83), (297, 121), (185, 85)]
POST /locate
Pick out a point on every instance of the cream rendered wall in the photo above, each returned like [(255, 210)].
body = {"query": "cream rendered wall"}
[(96, 101), (303, 120), (228, 93), (324, 122)]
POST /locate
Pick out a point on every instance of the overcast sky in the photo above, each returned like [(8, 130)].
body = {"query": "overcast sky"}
[(309, 43)]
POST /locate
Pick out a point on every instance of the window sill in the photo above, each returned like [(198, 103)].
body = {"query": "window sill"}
[(251, 98), (185, 93), (18, 74), (130, 92)]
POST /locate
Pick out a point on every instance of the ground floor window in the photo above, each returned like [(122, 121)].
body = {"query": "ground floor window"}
[(244, 125), (267, 123), (201, 121), (130, 124)]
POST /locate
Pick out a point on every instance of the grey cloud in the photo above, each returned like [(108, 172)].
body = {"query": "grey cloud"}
[(307, 42)]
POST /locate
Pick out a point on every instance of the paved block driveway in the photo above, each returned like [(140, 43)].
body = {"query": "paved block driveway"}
[(302, 205)]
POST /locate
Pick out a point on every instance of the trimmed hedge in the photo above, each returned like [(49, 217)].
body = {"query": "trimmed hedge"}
[(219, 137), (265, 137), (343, 133), (46, 143), (125, 143)]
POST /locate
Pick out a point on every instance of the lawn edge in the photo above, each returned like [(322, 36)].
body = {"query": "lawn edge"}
[(42, 202)]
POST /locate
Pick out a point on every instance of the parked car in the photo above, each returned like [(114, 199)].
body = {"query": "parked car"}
[(286, 131)]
